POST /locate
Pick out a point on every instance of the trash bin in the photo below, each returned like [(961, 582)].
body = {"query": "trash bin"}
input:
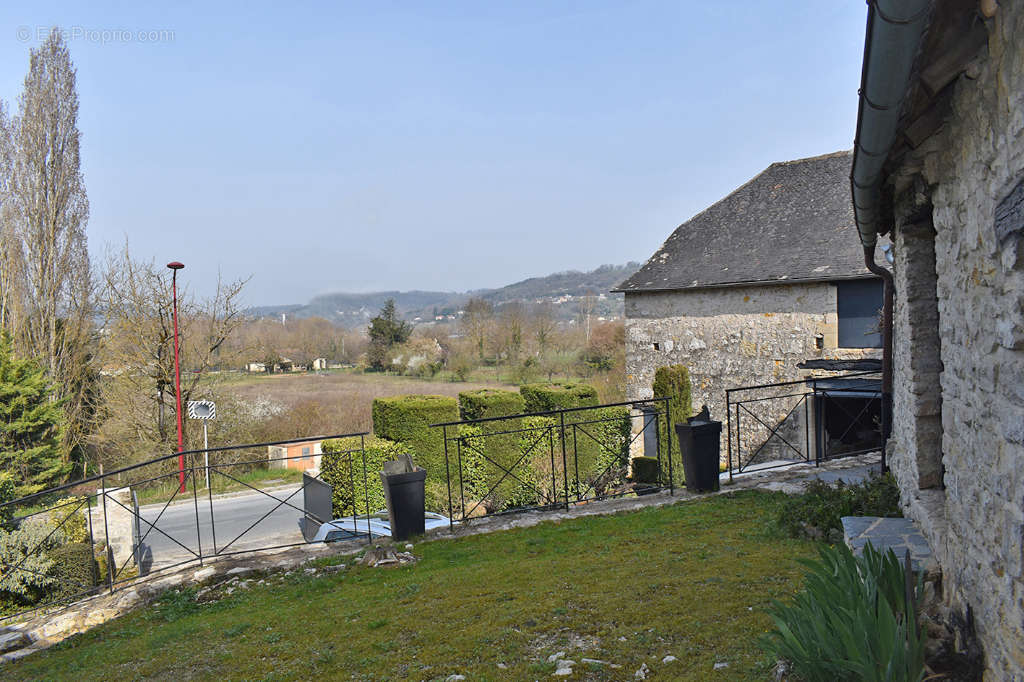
[(403, 491), (699, 440)]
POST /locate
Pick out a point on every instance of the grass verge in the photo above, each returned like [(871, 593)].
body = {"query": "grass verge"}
[(692, 580)]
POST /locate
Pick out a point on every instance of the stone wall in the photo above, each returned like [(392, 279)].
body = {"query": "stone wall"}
[(731, 337), (976, 527)]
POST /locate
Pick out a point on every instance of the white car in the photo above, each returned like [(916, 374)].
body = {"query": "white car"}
[(377, 525)]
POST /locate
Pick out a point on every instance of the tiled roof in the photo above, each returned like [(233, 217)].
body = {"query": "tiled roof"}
[(792, 222)]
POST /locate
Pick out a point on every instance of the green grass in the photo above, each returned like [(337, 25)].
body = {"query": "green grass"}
[(691, 580)]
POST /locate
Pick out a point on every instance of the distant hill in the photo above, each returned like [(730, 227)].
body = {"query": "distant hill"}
[(562, 290)]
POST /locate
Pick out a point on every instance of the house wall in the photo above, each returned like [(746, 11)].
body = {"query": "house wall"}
[(731, 337), (976, 525)]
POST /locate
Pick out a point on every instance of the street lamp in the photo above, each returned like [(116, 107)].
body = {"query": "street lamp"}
[(175, 266)]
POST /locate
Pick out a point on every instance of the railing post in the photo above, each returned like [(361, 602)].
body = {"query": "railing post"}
[(551, 452), (448, 478), (106, 535), (209, 495), (195, 503), (366, 491), (728, 424), (462, 489), (576, 463), (565, 466), (668, 437)]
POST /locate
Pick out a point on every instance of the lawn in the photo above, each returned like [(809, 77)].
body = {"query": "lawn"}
[(690, 580)]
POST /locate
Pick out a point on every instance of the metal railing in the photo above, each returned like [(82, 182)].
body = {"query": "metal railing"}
[(153, 521), (552, 460), (814, 419)]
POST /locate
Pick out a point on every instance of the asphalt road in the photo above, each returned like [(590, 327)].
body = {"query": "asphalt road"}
[(173, 533)]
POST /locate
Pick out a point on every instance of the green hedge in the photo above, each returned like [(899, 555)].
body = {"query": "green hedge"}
[(557, 396), (673, 382), (490, 402), (406, 419), (341, 465), (73, 569), (491, 453)]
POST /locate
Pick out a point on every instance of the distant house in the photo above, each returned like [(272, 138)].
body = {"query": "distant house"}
[(255, 367), (766, 278), (319, 364), (302, 456)]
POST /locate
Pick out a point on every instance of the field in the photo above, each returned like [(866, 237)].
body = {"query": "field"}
[(690, 581), (334, 402)]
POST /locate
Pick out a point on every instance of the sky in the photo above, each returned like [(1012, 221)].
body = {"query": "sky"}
[(363, 146)]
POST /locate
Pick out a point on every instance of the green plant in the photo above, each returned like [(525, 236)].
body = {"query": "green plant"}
[(69, 513), (646, 470), (24, 552), (491, 451), (673, 382), (74, 570), (31, 424), (557, 396), (406, 419), (853, 620), (817, 512), (341, 465)]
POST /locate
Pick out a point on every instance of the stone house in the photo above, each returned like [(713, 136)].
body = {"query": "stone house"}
[(756, 284), (939, 167)]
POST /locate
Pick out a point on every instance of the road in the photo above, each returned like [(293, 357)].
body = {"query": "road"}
[(232, 516)]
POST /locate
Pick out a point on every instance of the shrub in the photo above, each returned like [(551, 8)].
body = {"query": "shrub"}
[(492, 452), (407, 419), (852, 621), (7, 494), (74, 570), (557, 396), (27, 547), (673, 382), (71, 511), (817, 512), (646, 470), (341, 465)]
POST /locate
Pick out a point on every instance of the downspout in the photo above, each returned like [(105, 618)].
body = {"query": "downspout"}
[(893, 38)]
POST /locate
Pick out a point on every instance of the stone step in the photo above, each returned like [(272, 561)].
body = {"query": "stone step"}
[(899, 535)]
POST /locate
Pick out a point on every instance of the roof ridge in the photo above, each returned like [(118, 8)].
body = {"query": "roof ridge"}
[(819, 157)]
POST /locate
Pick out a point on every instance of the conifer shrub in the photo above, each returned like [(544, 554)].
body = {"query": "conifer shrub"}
[(74, 571), (673, 382), (352, 487)]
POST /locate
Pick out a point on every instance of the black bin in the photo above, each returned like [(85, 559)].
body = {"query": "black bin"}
[(404, 495), (700, 441)]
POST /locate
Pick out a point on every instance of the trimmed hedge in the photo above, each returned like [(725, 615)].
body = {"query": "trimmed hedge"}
[(646, 470), (557, 396), (491, 453), (673, 382), (489, 402), (73, 569), (406, 419), (341, 465)]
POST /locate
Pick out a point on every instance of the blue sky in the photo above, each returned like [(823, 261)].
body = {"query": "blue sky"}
[(359, 146)]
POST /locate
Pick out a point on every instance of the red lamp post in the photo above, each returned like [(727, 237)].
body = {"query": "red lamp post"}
[(175, 266)]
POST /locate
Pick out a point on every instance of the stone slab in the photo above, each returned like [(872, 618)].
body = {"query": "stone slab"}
[(899, 535)]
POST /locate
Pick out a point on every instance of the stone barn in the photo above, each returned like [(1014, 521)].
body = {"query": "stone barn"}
[(746, 291), (939, 167)]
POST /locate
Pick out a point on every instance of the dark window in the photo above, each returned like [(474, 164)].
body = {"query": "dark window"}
[(858, 306), (305, 453)]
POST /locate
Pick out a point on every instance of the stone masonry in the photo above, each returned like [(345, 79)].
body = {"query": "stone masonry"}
[(964, 172), (730, 337)]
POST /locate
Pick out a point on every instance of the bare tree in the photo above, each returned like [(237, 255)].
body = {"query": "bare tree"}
[(476, 323), (45, 274), (138, 347)]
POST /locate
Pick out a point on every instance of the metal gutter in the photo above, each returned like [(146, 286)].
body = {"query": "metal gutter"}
[(894, 32)]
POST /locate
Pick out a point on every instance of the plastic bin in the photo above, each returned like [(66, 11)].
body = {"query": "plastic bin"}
[(404, 495), (700, 442)]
